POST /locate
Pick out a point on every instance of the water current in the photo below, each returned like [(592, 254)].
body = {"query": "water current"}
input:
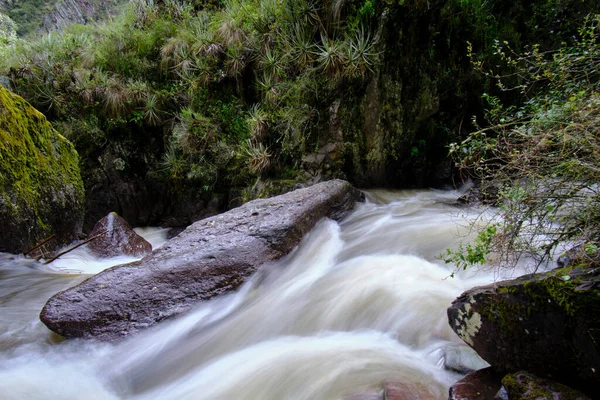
[(357, 303)]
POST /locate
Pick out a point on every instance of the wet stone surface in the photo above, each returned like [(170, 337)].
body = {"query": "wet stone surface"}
[(211, 257)]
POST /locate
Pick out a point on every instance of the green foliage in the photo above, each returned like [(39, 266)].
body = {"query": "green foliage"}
[(475, 253), (8, 31), (544, 155)]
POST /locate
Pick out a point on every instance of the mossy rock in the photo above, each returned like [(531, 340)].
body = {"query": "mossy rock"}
[(41, 192), (548, 324), (525, 386)]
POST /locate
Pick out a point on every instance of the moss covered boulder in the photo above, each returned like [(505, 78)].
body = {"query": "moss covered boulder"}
[(41, 192), (548, 324), (525, 386)]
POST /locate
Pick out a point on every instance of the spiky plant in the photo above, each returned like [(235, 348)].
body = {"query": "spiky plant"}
[(152, 111), (263, 20), (182, 61), (301, 47), (173, 162), (230, 23), (361, 53), (137, 90), (267, 86), (193, 131), (258, 158), (83, 85), (331, 57), (305, 12), (173, 46), (236, 61), (206, 45), (258, 122), (176, 9), (271, 62), (203, 70), (49, 99), (115, 97)]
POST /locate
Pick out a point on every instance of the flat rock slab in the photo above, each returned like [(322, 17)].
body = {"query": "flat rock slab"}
[(211, 257)]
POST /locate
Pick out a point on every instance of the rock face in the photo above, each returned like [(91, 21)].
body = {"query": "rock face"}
[(548, 324), (525, 386), (40, 16), (67, 12), (41, 192), (118, 240), (211, 257)]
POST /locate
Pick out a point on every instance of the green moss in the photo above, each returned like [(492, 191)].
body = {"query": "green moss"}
[(556, 288), (40, 173), (523, 385)]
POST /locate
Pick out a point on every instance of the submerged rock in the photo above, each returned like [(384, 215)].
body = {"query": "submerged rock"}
[(41, 192), (548, 324), (211, 257), (525, 386), (117, 238), (482, 384)]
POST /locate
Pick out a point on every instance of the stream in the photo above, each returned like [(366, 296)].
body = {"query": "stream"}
[(356, 304)]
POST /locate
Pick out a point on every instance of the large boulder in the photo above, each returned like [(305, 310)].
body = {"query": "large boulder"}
[(116, 238), (548, 324), (211, 257), (41, 192)]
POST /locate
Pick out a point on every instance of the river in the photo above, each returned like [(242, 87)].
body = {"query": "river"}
[(357, 303)]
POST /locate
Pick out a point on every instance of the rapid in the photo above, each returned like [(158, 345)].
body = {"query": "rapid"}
[(356, 304)]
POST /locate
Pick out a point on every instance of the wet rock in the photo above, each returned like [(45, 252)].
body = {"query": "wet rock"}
[(118, 240), (546, 323), (41, 191), (570, 257), (502, 394), (463, 359), (525, 386), (211, 257), (398, 390), (483, 384)]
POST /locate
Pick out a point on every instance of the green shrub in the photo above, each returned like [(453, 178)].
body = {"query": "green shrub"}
[(544, 155)]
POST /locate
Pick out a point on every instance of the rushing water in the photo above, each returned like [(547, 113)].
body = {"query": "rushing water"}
[(356, 304)]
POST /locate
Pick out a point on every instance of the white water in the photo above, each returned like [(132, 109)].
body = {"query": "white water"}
[(356, 304)]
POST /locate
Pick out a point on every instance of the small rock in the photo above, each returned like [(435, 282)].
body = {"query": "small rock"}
[(525, 386), (118, 240), (462, 359), (483, 384)]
